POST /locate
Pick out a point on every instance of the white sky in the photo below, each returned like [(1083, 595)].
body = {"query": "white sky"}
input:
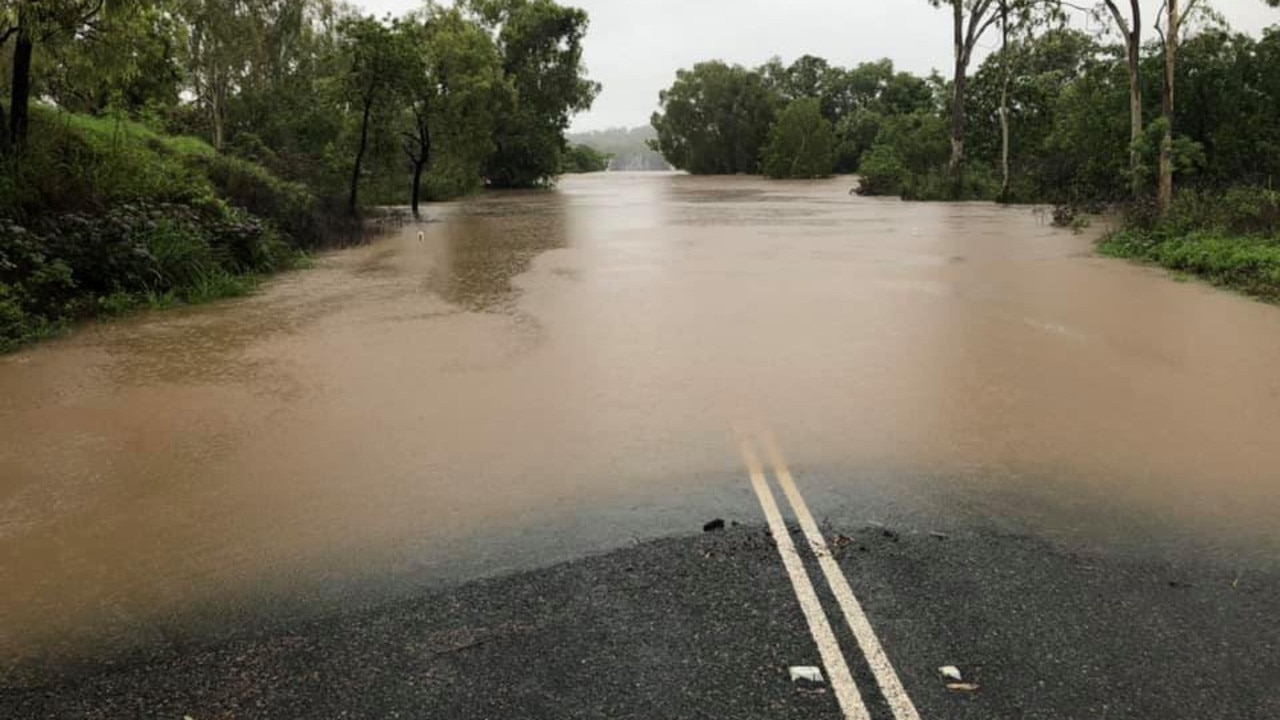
[(634, 47)]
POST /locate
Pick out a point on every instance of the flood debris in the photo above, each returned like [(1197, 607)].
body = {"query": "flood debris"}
[(951, 672), (714, 525), (805, 673), (963, 687)]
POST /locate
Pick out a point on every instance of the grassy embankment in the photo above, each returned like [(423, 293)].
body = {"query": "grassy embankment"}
[(1230, 239), (99, 216)]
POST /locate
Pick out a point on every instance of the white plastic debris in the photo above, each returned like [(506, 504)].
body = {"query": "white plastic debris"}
[(805, 672), (950, 672)]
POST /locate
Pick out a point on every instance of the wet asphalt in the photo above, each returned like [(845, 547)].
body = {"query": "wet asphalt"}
[(705, 625)]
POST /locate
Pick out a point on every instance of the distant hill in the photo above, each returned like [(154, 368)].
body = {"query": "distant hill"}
[(626, 145)]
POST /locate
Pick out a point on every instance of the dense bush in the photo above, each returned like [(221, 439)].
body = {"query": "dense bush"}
[(99, 215), (70, 266)]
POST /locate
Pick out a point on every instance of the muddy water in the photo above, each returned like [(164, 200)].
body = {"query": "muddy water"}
[(550, 373)]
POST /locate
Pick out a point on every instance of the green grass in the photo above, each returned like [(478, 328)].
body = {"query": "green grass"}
[(1250, 264)]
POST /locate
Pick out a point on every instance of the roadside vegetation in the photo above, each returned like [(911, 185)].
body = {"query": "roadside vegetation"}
[(155, 152), (1147, 115), (1230, 239)]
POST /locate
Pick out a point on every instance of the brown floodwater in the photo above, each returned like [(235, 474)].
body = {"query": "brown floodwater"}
[(549, 373)]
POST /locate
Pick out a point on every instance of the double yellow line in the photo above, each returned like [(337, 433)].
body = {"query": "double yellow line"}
[(833, 659)]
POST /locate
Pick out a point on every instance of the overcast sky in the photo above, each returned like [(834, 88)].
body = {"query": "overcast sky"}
[(634, 47)]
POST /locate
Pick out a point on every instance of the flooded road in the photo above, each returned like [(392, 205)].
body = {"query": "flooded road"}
[(553, 373)]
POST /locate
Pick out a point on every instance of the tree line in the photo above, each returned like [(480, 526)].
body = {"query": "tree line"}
[(432, 104), (1054, 113)]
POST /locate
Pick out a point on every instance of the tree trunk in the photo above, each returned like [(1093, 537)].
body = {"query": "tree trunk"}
[(217, 110), (215, 119), (1004, 102), (364, 141), (19, 109), (1165, 198), (417, 185), (1135, 112), (4, 131), (423, 157), (956, 166)]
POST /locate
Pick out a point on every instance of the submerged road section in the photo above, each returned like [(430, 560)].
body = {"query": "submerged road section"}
[(466, 476)]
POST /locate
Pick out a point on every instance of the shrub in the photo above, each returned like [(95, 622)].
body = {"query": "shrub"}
[(881, 172)]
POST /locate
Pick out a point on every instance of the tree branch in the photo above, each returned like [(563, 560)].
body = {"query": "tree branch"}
[(975, 31), (1119, 18), (1164, 42)]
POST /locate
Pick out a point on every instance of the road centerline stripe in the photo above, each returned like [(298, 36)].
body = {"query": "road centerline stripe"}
[(833, 661), (890, 685)]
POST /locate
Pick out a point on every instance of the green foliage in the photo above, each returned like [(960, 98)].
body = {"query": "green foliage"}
[(100, 215), (907, 158), (801, 143), (583, 159), (540, 44), (454, 103), (715, 119), (1251, 265), (1231, 238)]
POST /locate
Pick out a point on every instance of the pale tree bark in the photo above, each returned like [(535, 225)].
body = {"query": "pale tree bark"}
[(1006, 68), (1131, 29), (1165, 196), (967, 30)]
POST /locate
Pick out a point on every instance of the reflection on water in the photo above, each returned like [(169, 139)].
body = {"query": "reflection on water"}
[(578, 356), (487, 244)]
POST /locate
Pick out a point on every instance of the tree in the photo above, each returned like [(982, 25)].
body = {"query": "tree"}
[(970, 19), (32, 22), (714, 119), (134, 62), (423, 87), (801, 142), (1130, 28), (216, 34), (1017, 18), (1170, 41), (540, 43), (453, 92), (1028, 82), (380, 60)]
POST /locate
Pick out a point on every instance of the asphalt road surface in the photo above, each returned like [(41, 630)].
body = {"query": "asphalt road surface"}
[(468, 477)]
